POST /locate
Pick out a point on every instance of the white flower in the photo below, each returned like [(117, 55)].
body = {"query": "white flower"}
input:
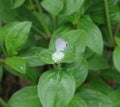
[(57, 56)]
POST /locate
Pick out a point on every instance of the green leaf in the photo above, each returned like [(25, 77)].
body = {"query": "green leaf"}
[(4, 30), (98, 4), (97, 84), (2, 36), (6, 13), (16, 36), (77, 44), (115, 96), (88, 53), (32, 56), (79, 70), (56, 88), (77, 101), (72, 18), (26, 97), (54, 6), (16, 63), (68, 58), (116, 58), (117, 39), (97, 62), (111, 75), (115, 14), (96, 10), (1, 72), (72, 6), (46, 56), (95, 99), (17, 3), (32, 74), (95, 41), (98, 17)]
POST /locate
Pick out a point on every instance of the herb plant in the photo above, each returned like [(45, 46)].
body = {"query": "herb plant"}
[(68, 51)]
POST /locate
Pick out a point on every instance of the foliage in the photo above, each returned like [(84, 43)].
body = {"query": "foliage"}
[(87, 35)]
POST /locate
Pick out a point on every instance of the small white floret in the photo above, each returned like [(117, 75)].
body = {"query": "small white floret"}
[(57, 56)]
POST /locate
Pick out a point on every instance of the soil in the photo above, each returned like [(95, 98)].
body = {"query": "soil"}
[(10, 84)]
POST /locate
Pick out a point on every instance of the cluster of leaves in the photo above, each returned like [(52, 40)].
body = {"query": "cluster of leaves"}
[(89, 74)]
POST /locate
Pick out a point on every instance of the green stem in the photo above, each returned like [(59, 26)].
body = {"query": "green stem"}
[(54, 22), (58, 76), (39, 7), (3, 103), (59, 66), (40, 16), (36, 29), (39, 31), (40, 19), (111, 40), (30, 1), (117, 30), (4, 51)]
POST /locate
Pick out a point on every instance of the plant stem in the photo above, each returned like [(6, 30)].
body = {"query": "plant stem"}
[(39, 7), (40, 16), (117, 30), (108, 22), (30, 1), (39, 31), (4, 51), (3, 103), (59, 66), (54, 22)]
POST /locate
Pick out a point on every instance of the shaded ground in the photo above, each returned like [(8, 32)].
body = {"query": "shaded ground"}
[(10, 84)]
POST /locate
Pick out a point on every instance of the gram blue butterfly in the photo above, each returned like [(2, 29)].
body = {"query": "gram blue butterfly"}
[(60, 44)]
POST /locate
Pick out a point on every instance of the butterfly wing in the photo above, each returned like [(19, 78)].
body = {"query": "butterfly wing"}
[(60, 44)]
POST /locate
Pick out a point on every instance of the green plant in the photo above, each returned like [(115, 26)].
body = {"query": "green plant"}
[(78, 41)]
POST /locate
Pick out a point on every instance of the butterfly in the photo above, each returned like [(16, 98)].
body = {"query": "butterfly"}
[(60, 44)]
